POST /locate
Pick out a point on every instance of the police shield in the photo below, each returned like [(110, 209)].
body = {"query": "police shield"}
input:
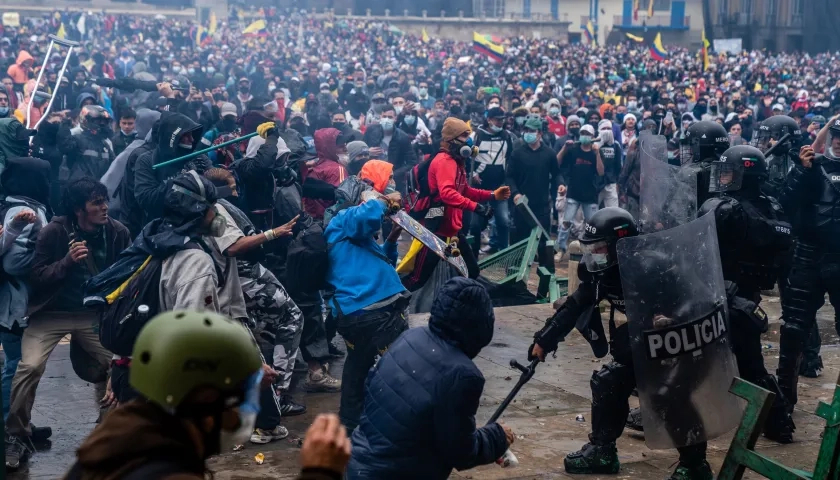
[(668, 194), (678, 320)]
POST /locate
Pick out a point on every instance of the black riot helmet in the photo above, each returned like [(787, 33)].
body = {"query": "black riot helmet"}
[(602, 232), (774, 128), (703, 141), (832, 147), (739, 168)]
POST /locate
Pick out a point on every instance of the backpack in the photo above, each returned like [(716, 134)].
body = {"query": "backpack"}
[(119, 320), (421, 205), (307, 259)]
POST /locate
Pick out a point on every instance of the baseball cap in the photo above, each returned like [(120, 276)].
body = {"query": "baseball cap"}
[(228, 109), (324, 85), (778, 107), (588, 129), (496, 112)]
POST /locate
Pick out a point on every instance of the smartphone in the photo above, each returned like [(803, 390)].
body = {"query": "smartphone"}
[(669, 118)]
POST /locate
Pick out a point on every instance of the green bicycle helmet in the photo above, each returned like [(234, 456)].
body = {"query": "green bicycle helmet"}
[(178, 351)]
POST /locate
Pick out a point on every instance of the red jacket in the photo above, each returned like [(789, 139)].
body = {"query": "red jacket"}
[(326, 169), (557, 127), (448, 181)]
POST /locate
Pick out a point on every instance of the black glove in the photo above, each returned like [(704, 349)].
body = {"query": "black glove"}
[(483, 211)]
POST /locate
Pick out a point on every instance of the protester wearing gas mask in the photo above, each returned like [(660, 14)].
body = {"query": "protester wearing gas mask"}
[(449, 187)]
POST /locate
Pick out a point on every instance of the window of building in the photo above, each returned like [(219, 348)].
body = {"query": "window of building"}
[(746, 7), (799, 7), (662, 5), (772, 11), (723, 11)]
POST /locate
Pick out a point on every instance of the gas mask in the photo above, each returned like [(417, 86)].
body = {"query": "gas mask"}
[(217, 225)]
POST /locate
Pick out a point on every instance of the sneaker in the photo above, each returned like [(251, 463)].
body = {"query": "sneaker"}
[(634, 420), (289, 407), (40, 434), (558, 257), (811, 368), (593, 459), (321, 382), (700, 472), (334, 350), (262, 437), (488, 250), (17, 452)]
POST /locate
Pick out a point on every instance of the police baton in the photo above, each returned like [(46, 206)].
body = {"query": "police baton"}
[(509, 459), (772, 149), (192, 155)]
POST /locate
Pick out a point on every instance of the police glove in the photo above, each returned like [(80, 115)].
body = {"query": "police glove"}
[(483, 211)]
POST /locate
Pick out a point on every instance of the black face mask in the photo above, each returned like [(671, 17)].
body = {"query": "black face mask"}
[(339, 125), (244, 89), (195, 104), (229, 123), (574, 131), (455, 110), (300, 127)]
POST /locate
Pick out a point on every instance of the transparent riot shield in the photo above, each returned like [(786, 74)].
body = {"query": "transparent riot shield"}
[(668, 193), (678, 320)]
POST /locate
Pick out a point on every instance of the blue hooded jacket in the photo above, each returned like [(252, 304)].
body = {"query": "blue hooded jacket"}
[(359, 269), (422, 396)]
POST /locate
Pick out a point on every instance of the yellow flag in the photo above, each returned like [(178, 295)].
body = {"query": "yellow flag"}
[(650, 8), (705, 50), (255, 27), (61, 32), (425, 36)]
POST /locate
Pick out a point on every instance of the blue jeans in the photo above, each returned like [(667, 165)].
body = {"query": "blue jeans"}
[(11, 347), (572, 207), (499, 236)]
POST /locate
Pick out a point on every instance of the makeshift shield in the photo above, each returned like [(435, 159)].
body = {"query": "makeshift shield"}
[(668, 193), (678, 320)]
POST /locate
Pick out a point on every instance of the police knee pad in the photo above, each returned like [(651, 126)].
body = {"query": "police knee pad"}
[(794, 331), (606, 382)]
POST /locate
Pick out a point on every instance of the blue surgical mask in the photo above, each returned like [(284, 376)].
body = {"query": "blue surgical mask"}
[(530, 137), (410, 120), (520, 120), (387, 124), (554, 112), (495, 129), (469, 142), (4, 112), (585, 140), (423, 91), (672, 155)]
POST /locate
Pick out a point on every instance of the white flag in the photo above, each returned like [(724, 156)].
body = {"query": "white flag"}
[(80, 25)]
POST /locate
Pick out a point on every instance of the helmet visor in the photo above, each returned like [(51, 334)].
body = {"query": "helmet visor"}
[(725, 177), (596, 256), (763, 140)]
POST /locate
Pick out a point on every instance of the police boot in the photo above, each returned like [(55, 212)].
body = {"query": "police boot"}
[(634, 420), (701, 471), (811, 367), (598, 459), (791, 345), (779, 425)]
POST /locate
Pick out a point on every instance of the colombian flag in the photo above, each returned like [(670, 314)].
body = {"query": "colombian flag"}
[(590, 33), (485, 46), (255, 29), (657, 51)]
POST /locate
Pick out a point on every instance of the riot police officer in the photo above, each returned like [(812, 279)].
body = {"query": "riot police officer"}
[(704, 142), (779, 163), (813, 191), (754, 240), (783, 157), (613, 384)]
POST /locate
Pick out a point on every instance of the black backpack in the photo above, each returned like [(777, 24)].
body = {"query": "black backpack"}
[(307, 259), (120, 321)]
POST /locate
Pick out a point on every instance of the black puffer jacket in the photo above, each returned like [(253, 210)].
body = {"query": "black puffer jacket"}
[(87, 154)]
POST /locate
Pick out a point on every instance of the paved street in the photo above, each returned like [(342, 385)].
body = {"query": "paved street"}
[(543, 416)]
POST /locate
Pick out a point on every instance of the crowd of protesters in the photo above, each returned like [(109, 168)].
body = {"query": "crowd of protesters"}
[(359, 103)]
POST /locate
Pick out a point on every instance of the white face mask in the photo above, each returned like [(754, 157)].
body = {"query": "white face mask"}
[(493, 105), (343, 159)]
